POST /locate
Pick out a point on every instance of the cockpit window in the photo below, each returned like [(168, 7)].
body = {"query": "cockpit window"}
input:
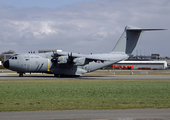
[(14, 57)]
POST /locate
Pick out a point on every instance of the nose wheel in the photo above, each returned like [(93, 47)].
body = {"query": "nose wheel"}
[(20, 74)]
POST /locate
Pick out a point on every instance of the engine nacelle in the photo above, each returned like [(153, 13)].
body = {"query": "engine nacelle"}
[(62, 59), (79, 61)]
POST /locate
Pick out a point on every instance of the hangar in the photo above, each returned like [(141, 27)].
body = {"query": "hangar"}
[(155, 65)]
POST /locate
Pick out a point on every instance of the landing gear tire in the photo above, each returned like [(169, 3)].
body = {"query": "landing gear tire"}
[(56, 75), (76, 75), (62, 75), (20, 74)]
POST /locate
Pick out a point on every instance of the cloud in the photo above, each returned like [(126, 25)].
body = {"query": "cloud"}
[(85, 27)]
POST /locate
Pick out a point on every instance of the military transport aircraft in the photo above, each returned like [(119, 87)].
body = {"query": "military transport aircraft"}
[(74, 64)]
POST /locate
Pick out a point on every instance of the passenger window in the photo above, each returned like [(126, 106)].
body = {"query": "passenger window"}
[(12, 57), (15, 57)]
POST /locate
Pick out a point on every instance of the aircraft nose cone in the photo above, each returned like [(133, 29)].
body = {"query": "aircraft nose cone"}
[(6, 64)]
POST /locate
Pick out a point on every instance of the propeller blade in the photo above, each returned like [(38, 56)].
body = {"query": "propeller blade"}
[(70, 58), (54, 57)]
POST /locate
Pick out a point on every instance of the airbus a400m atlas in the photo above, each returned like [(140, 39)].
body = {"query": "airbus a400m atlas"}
[(74, 64)]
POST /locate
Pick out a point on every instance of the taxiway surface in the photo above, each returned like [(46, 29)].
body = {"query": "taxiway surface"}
[(14, 76), (130, 114)]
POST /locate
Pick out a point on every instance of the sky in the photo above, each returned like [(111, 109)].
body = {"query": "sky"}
[(84, 26)]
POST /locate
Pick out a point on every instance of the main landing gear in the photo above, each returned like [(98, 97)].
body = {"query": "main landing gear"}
[(67, 76)]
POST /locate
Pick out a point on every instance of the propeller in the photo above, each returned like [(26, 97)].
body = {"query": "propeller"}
[(54, 57), (70, 59)]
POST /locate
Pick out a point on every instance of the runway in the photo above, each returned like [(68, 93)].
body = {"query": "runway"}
[(14, 76), (130, 114)]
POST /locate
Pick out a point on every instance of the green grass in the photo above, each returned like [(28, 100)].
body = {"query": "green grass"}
[(83, 94)]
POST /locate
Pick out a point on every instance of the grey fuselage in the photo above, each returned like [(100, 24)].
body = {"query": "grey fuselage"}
[(41, 63)]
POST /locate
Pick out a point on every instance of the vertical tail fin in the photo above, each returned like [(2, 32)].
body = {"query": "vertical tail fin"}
[(129, 39)]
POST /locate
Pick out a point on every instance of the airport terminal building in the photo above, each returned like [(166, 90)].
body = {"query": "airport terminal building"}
[(152, 62), (145, 65)]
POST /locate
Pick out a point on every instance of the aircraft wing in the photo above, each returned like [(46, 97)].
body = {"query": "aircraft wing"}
[(91, 57), (88, 56)]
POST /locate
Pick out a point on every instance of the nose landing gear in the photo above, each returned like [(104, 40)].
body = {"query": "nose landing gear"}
[(21, 74)]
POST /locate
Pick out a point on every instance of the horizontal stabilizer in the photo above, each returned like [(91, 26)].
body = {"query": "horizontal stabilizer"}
[(140, 29), (145, 29)]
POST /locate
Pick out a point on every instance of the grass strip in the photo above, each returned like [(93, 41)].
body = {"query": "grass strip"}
[(83, 94)]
